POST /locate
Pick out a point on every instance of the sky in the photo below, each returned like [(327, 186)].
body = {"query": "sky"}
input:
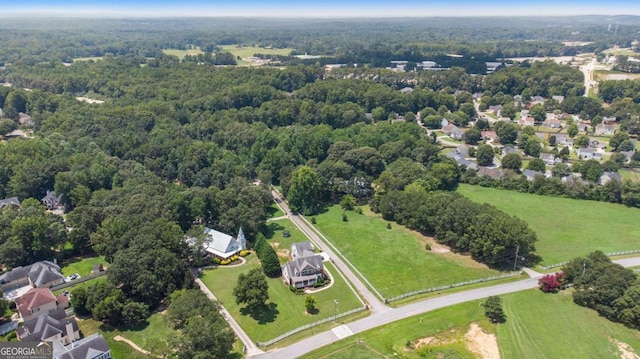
[(305, 8)]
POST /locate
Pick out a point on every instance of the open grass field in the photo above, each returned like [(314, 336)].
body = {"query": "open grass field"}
[(91, 58), (390, 340), (604, 75), (248, 51), (81, 265), (538, 326), (275, 211), (631, 175), (566, 228), (182, 53), (286, 310), (395, 260), (542, 326)]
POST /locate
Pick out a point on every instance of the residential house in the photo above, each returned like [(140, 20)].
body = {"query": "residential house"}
[(508, 149), (531, 175), (552, 123), (574, 178), (444, 122), (24, 119), (12, 202), (91, 347), (463, 161), (306, 267), (52, 202), (39, 301), (495, 109), (564, 140), (583, 126), (50, 327), (221, 244), (462, 150), (609, 119), (549, 158), (42, 274), (605, 129), (493, 173), (526, 121), (301, 249), (542, 135), (406, 90), (558, 98), (489, 135), (589, 154), (453, 131), (608, 177), (537, 99)]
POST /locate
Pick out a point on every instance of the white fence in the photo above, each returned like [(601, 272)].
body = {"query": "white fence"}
[(448, 286), (612, 254), (307, 326)]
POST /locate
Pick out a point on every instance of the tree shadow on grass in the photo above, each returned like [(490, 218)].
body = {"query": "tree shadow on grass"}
[(314, 311), (271, 228), (264, 315)]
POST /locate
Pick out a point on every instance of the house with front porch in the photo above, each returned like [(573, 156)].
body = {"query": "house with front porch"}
[(305, 269)]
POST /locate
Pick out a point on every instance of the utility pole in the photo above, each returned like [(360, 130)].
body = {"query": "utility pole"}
[(335, 311), (515, 262)]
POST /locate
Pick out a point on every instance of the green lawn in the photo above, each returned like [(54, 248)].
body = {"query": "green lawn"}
[(631, 175), (91, 58), (390, 340), (286, 309), (395, 260), (80, 265), (82, 284), (275, 211), (282, 244), (182, 53), (551, 326), (144, 336), (538, 326), (248, 51), (566, 228)]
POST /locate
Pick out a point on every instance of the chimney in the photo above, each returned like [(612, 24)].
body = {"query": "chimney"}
[(70, 333)]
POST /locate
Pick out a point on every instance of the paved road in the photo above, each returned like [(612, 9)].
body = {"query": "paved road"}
[(381, 318), (251, 349), (587, 71), (374, 304)]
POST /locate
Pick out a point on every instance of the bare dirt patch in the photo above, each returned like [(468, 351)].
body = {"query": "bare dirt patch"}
[(626, 351), (483, 344)]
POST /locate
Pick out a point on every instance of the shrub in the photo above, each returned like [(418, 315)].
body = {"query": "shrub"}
[(216, 260), (551, 283), (225, 262), (388, 225), (493, 309), (245, 253), (427, 246), (286, 233), (313, 220), (344, 217), (11, 336), (358, 210)]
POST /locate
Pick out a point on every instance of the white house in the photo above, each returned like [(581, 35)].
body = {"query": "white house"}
[(223, 245)]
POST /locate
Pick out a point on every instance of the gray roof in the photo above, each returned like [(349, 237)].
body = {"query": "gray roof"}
[(295, 267), (87, 348), (532, 174), (46, 326), (38, 273), (304, 249), (9, 201)]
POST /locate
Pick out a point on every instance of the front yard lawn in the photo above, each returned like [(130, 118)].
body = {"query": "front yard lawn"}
[(395, 260), (286, 310)]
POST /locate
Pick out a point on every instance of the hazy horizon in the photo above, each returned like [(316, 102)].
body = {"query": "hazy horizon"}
[(327, 9)]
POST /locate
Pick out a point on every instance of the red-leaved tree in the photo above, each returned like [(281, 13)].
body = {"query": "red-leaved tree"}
[(551, 283)]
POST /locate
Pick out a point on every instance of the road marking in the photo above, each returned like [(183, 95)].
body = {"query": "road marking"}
[(342, 331)]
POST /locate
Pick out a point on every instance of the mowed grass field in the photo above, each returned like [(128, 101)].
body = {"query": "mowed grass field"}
[(538, 326), (81, 265), (182, 53), (248, 51), (286, 310), (566, 228), (395, 260), (541, 326)]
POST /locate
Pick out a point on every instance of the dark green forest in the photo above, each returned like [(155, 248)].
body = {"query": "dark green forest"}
[(181, 144)]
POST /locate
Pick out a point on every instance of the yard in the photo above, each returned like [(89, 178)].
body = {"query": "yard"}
[(80, 265), (538, 326), (275, 211), (286, 310), (182, 53), (566, 228), (144, 336), (395, 260), (282, 244)]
